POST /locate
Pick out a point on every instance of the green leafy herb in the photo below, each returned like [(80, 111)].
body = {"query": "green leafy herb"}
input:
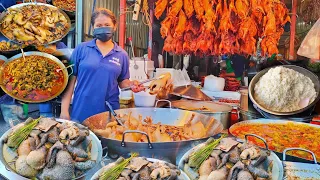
[(114, 172), (16, 138), (198, 157)]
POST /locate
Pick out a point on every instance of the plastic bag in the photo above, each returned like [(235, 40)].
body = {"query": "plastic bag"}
[(310, 46), (11, 110)]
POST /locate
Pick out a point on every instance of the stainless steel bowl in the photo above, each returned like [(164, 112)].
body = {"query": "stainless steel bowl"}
[(314, 78)]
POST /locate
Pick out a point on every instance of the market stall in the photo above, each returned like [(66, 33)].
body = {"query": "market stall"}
[(203, 117)]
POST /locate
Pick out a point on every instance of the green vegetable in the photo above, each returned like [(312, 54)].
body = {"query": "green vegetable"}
[(114, 172), (198, 157), (16, 138), (314, 66)]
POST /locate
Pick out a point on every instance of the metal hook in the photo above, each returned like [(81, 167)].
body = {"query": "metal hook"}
[(293, 14)]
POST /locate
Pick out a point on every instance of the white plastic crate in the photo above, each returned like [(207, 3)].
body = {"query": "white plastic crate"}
[(144, 67)]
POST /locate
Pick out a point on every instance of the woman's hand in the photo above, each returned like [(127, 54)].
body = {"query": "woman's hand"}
[(65, 115), (136, 86)]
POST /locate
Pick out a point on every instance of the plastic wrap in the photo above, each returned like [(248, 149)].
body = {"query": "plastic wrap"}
[(310, 46)]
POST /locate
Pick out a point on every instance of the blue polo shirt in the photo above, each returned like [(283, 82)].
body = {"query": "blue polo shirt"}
[(98, 79)]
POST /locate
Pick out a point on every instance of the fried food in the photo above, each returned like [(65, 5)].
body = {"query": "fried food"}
[(67, 5), (34, 78), (34, 24)]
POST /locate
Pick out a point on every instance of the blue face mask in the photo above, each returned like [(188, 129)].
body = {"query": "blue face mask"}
[(104, 34)]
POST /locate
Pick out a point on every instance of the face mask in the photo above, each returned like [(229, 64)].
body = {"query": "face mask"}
[(104, 34)]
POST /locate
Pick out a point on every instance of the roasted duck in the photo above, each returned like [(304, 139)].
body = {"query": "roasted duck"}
[(216, 27)]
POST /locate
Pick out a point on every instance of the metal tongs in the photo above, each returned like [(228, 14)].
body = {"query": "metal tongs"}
[(114, 113), (143, 82)]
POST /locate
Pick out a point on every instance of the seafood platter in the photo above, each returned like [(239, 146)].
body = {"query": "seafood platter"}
[(226, 158), (34, 24), (46, 148), (140, 168)]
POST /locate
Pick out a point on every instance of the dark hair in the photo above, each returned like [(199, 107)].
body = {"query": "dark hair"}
[(105, 12)]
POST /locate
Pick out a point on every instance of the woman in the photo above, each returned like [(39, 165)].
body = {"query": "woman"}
[(100, 66)]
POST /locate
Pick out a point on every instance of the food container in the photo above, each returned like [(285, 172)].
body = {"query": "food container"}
[(182, 176), (96, 154), (213, 83), (125, 100), (219, 111), (277, 168), (297, 170), (301, 70), (246, 115), (274, 146), (144, 99), (159, 150)]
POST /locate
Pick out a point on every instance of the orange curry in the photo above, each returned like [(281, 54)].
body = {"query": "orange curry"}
[(34, 78), (282, 136)]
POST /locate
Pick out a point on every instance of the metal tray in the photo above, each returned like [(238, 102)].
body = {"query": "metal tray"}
[(269, 121), (277, 169), (3, 14), (51, 57), (96, 153), (182, 176), (301, 70), (302, 171)]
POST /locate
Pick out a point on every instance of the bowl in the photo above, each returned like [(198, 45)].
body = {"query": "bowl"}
[(125, 100), (314, 78), (144, 99)]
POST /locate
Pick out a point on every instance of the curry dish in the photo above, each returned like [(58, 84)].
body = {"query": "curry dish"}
[(282, 136), (68, 5), (193, 129), (34, 24), (34, 78)]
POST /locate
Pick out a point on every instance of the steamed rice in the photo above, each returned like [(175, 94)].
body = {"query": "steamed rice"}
[(281, 89)]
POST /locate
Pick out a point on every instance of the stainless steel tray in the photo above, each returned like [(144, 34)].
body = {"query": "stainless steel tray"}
[(3, 14), (296, 170)]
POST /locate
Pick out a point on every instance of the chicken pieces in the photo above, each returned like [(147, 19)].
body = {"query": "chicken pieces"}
[(193, 129), (34, 24)]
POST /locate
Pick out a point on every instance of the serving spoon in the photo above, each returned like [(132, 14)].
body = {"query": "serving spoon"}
[(114, 114)]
